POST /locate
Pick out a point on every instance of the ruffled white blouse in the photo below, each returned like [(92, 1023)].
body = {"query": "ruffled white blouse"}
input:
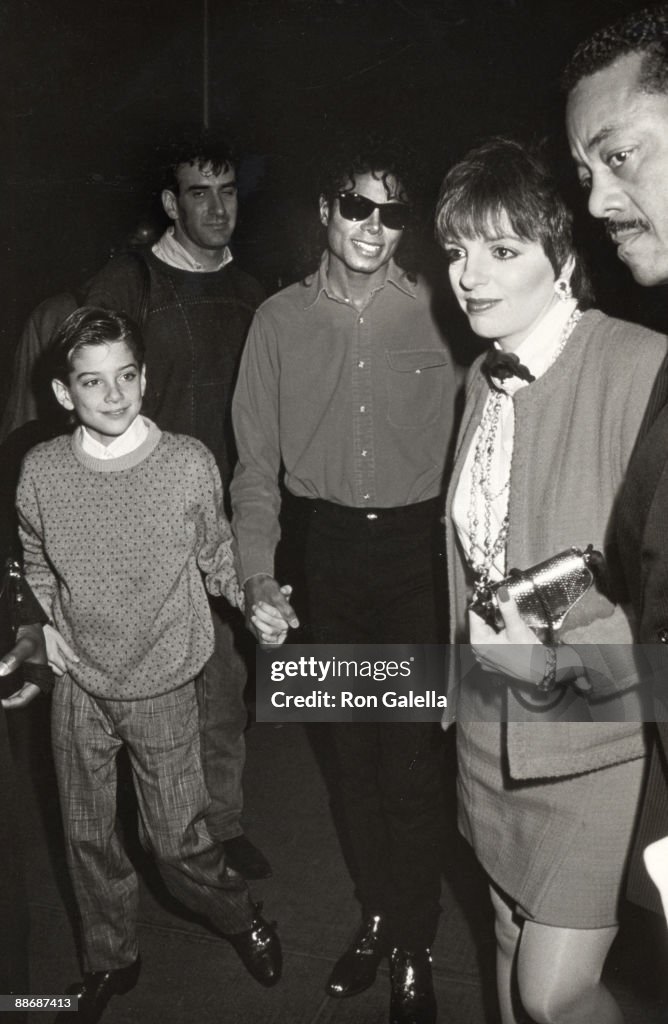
[(537, 352)]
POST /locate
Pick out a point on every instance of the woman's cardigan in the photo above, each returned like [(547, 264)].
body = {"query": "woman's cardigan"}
[(575, 430)]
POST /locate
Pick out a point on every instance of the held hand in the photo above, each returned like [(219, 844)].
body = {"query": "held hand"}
[(27, 693), (270, 626), (29, 646), (265, 591), (59, 654), (516, 651)]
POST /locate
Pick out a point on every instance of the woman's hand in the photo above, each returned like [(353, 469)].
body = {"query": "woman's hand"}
[(516, 651)]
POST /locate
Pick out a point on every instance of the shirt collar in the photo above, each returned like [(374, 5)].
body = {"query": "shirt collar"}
[(124, 444), (170, 251), (318, 283), (541, 347)]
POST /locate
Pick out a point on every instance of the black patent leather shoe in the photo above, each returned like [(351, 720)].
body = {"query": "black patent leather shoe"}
[(95, 991), (259, 950), (412, 1000), (356, 970), (245, 858)]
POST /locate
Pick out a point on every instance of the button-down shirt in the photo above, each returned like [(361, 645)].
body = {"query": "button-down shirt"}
[(358, 405), (171, 252)]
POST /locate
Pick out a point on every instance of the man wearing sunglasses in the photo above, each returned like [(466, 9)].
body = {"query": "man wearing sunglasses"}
[(347, 382)]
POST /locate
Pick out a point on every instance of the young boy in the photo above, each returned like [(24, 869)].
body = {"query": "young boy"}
[(118, 522)]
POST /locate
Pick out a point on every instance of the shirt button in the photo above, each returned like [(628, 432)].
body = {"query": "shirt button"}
[(366, 496), (364, 451), (361, 364), (362, 408), (361, 320)]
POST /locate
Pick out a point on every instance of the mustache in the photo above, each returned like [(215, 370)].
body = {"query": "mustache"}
[(614, 227)]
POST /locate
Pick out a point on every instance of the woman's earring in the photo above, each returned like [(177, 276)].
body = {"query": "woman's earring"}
[(563, 289)]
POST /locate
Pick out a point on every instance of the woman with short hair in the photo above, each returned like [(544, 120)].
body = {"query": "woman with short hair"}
[(550, 737)]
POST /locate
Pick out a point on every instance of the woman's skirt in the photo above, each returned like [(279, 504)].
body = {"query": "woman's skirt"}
[(557, 847)]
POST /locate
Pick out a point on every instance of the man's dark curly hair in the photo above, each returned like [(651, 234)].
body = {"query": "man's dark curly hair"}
[(385, 161), (199, 149), (334, 169), (644, 31)]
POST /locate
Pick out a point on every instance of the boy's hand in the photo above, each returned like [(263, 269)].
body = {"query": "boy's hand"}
[(270, 626), (60, 655)]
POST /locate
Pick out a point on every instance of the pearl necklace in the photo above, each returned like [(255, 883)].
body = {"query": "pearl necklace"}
[(484, 547)]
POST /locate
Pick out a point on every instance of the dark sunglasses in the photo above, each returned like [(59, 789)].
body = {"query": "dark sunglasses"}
[(353, 207)]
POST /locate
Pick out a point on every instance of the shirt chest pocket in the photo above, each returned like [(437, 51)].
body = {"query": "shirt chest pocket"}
[(415, 386)]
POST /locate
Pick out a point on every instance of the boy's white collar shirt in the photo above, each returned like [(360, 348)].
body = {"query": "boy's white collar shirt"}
[(125, 443), (173, 253)]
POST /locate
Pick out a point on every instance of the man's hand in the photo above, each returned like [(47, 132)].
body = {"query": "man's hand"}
[(270, 626), (60, 655), (29, 646), (263, 595)]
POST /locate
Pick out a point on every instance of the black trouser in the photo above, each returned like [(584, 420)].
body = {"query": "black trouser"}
[(371, 576)]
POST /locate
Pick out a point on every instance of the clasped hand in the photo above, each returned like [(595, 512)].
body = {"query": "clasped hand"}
[(268, 611)]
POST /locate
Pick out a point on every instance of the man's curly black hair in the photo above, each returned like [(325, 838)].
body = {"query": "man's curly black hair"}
[(197, 148), (334, 169), (385, 158), (644, 32)]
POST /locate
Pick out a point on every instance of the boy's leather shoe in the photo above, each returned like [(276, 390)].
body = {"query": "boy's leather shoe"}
[(412, 1000), (259, 950), (245, 858), (356, 970), (95, 991)]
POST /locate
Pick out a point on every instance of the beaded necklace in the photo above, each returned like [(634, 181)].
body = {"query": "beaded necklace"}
[(484, 546)]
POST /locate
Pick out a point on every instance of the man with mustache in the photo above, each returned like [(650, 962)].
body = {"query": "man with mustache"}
[(617, 121)]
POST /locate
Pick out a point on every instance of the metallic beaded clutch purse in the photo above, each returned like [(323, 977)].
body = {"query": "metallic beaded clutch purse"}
[(546, 592)]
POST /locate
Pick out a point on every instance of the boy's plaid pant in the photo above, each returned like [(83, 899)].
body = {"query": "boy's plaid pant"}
[(162, 738)]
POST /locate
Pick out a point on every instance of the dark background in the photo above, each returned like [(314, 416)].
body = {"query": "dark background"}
[(91, 88)]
